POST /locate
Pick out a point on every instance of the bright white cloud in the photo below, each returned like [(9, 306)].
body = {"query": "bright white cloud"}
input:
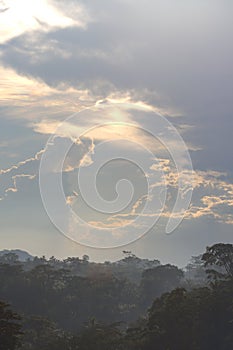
[(42, 15)]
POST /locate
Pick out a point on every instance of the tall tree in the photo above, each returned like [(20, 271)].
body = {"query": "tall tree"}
[(220, 255)]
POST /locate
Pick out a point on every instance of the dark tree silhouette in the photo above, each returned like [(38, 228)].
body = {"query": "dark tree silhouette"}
[(220, 255), (10, 328)]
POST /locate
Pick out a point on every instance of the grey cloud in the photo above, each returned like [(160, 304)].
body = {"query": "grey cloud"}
[(174, 48), (171, 54)]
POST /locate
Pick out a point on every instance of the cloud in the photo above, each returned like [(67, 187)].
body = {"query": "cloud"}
[(79, 155), (116, 49), (70, 200), (44, 15), (173, 56), (112, 119), (26, 98), (122, 104), (22, 163), (11, 176), (15, 179), (212, 197), (213, 193)]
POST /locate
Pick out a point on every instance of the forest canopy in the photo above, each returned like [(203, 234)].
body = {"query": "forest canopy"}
[(134, 303)]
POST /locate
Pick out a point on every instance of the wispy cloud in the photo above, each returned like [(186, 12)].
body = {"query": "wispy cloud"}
[(22, 163), (15, 178), (16, 172), (212, 197)]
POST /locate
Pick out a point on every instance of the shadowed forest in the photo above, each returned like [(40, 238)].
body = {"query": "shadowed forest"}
[(133, 303)]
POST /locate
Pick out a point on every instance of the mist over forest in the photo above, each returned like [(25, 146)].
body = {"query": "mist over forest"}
[(133, 303)]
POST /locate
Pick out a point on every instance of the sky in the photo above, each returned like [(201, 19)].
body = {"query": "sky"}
[(116, 127)]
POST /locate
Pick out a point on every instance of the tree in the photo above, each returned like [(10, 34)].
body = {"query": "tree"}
[(159, 280), (85, 258), (220, 255), (97, 336), (199, 319), (9, 258), (10, 328), (42, 334)]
